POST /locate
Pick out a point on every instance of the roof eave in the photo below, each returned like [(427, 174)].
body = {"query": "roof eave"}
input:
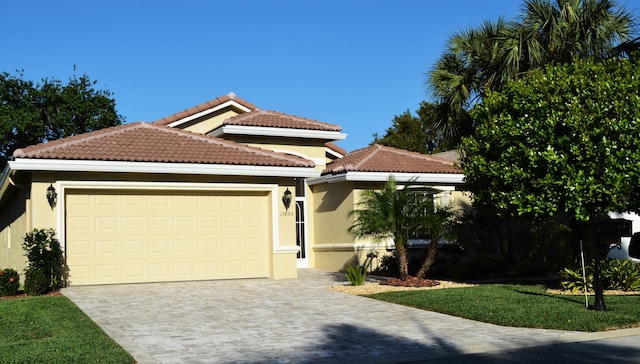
[(455, 179), (63, 165), (278, 132)]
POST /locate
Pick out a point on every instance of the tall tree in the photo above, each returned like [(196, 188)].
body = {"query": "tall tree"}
[(410, 132), (34, 113), (562, 141), (485, 58)]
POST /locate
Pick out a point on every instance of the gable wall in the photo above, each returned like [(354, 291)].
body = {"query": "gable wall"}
[(207, 123), (314, 150)]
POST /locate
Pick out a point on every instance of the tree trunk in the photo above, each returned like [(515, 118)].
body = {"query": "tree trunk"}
[(432, 249), (403, 264)]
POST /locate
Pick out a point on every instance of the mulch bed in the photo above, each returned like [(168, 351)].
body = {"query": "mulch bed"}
[(410, 282)]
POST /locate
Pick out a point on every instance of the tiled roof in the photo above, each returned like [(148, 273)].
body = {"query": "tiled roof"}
[(336, 148), (378, 158), (203, 107), (273, 119), (146, 142), (451, 155)]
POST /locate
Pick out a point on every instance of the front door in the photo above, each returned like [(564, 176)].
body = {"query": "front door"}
[(301, 228)]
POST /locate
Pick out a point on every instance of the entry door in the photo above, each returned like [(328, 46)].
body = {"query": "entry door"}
[(301, 227)]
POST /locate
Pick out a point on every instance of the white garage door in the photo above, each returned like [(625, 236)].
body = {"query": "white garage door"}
[(126, 237)]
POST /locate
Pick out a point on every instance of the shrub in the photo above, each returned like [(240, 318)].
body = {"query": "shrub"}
[(36, 282), (356, 275), (9, 282), (621, 274), (572, 280), (616, 274), (45, 271)]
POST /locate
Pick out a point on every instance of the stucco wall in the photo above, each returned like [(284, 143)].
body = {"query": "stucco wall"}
[(313, 150), (208, 122), (13, 227), (333, 246)]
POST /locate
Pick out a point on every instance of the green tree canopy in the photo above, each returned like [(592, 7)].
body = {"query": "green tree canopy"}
[(563, 140), (410, 132), (34, 113), (485, 58)]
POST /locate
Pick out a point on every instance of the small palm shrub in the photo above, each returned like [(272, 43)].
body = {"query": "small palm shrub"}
[(45, 272), (356, 275), (621, 274), (572, 280), (9, 282), (617, 274)]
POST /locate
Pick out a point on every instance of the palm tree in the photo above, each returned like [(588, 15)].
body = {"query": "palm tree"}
[(434, 226), (390, 213), (486, 58)]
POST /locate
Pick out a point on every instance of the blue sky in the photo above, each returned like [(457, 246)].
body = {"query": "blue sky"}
[(354, 63)]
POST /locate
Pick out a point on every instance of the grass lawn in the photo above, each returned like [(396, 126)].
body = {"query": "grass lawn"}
[(522, 306), (51, 329)]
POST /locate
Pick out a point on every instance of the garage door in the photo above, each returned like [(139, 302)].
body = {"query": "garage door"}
[(127, 237)]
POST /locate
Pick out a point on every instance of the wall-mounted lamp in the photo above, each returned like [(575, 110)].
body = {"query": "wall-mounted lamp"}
[(286, 199), (52, 196)]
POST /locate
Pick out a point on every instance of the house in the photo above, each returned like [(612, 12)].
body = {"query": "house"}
[(221, 190)]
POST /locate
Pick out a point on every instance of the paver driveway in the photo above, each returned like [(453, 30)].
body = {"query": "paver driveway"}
[(297, 321)]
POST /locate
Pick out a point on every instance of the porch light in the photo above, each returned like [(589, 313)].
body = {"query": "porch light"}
[(52, 196), (286, 199)]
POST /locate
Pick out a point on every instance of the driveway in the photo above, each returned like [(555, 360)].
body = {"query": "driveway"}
[(289, 321)]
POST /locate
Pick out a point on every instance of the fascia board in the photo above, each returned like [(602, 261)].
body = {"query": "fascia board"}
[(278, 132), (333, 153), (59, 165), (431, 178), (209, 111)]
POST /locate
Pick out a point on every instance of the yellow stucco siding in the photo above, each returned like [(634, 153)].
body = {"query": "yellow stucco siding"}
[(207, 123), (331, 206), (13, 227), (43, 216), (314, 150)]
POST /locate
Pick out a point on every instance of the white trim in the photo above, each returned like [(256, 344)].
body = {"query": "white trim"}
[(285, 249), (353, 246), (304, 262), (209, 111), (62, 165), (63, 186), (277, 132), (333, 152), (435, 178)]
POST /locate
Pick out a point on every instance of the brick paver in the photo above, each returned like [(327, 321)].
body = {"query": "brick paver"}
[(285, 321)]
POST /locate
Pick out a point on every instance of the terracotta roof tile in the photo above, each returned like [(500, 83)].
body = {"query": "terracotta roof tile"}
[(203, 107), (378, 158), (146, 142), (273, 119), (336, 148)]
